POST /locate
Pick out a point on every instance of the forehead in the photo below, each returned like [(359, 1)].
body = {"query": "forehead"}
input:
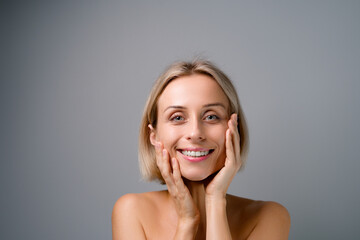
[(192, 91)]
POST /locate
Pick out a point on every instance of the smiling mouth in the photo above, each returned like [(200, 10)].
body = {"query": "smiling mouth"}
[(196, 154)]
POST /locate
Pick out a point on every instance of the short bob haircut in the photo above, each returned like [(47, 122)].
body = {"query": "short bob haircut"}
[(147, 159)]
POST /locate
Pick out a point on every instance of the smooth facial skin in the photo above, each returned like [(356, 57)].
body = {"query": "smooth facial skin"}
[(193, 115)]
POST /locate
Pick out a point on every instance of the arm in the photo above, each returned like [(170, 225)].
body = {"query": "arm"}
[(217, 226), (125, 222)]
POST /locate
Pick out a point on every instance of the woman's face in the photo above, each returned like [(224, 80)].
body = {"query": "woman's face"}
[(192, 121)]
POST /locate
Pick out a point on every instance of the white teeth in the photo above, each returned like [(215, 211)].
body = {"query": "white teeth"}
[(195, 153)]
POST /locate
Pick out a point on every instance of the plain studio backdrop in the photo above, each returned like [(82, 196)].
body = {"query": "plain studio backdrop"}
[(75, 76)]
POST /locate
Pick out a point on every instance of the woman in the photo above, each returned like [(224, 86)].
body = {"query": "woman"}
[(194, 139)]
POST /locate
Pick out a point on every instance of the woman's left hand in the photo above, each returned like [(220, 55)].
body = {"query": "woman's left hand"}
[(218, 186)]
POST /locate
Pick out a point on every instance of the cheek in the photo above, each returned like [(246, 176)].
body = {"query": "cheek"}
[(222, 152), (218, 135), (169, 137)]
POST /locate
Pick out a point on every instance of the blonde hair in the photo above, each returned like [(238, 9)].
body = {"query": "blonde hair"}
[(147, 160)]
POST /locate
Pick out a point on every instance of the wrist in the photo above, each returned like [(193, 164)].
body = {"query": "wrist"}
[(215, 197), (185, 223), (215, 200), (186, 229)]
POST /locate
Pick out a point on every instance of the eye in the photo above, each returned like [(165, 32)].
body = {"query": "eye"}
[(212, 117), (177, 118)]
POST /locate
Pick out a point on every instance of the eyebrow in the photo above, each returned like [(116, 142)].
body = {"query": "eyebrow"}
[(217, 104)]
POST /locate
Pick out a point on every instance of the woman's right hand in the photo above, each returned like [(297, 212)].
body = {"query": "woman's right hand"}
[(187, 211)]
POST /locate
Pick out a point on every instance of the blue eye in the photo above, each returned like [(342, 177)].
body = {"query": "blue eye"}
[(212, 117), (177, 118)]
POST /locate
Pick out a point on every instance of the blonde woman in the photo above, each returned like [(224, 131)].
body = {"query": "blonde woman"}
[(194, 138)]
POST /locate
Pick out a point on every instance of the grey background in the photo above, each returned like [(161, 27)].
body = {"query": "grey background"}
[(75, 76)]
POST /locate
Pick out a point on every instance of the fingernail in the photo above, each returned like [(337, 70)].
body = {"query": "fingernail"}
[(164, 152)]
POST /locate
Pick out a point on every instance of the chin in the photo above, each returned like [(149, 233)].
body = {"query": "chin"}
[(199, 173), (196, 176)]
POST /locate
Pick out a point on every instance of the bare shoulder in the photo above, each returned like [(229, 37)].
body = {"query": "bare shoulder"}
[(259, 219), (128, 212), (273, 221), (130, 199), (137, 199), (133, 203), (125, 220), (274, 211)]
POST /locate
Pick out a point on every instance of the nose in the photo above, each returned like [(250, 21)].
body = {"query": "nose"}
[(195, 131)]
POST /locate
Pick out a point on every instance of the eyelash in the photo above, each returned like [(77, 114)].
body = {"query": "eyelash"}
[(212, 115), (174, 118)]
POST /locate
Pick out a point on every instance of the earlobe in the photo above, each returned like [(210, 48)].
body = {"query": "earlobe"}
[(152, 135)]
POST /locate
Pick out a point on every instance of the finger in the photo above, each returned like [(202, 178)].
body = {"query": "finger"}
[(236, 136), (162, 160), (233, 125), (237, 144), (175, 166), (167, 174), (176, 173), (179, 185), (158, 152), (166, 169), (165, 161), (233, 129), (160, 155), (229, 147)]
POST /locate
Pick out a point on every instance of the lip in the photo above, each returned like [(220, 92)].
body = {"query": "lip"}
[(195, 149), (196, 159)]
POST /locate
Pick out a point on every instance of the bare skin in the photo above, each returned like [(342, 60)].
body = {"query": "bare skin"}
[(152, 215), (192, 114)]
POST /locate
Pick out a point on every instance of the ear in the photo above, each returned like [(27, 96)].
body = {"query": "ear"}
[(152, 135)]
